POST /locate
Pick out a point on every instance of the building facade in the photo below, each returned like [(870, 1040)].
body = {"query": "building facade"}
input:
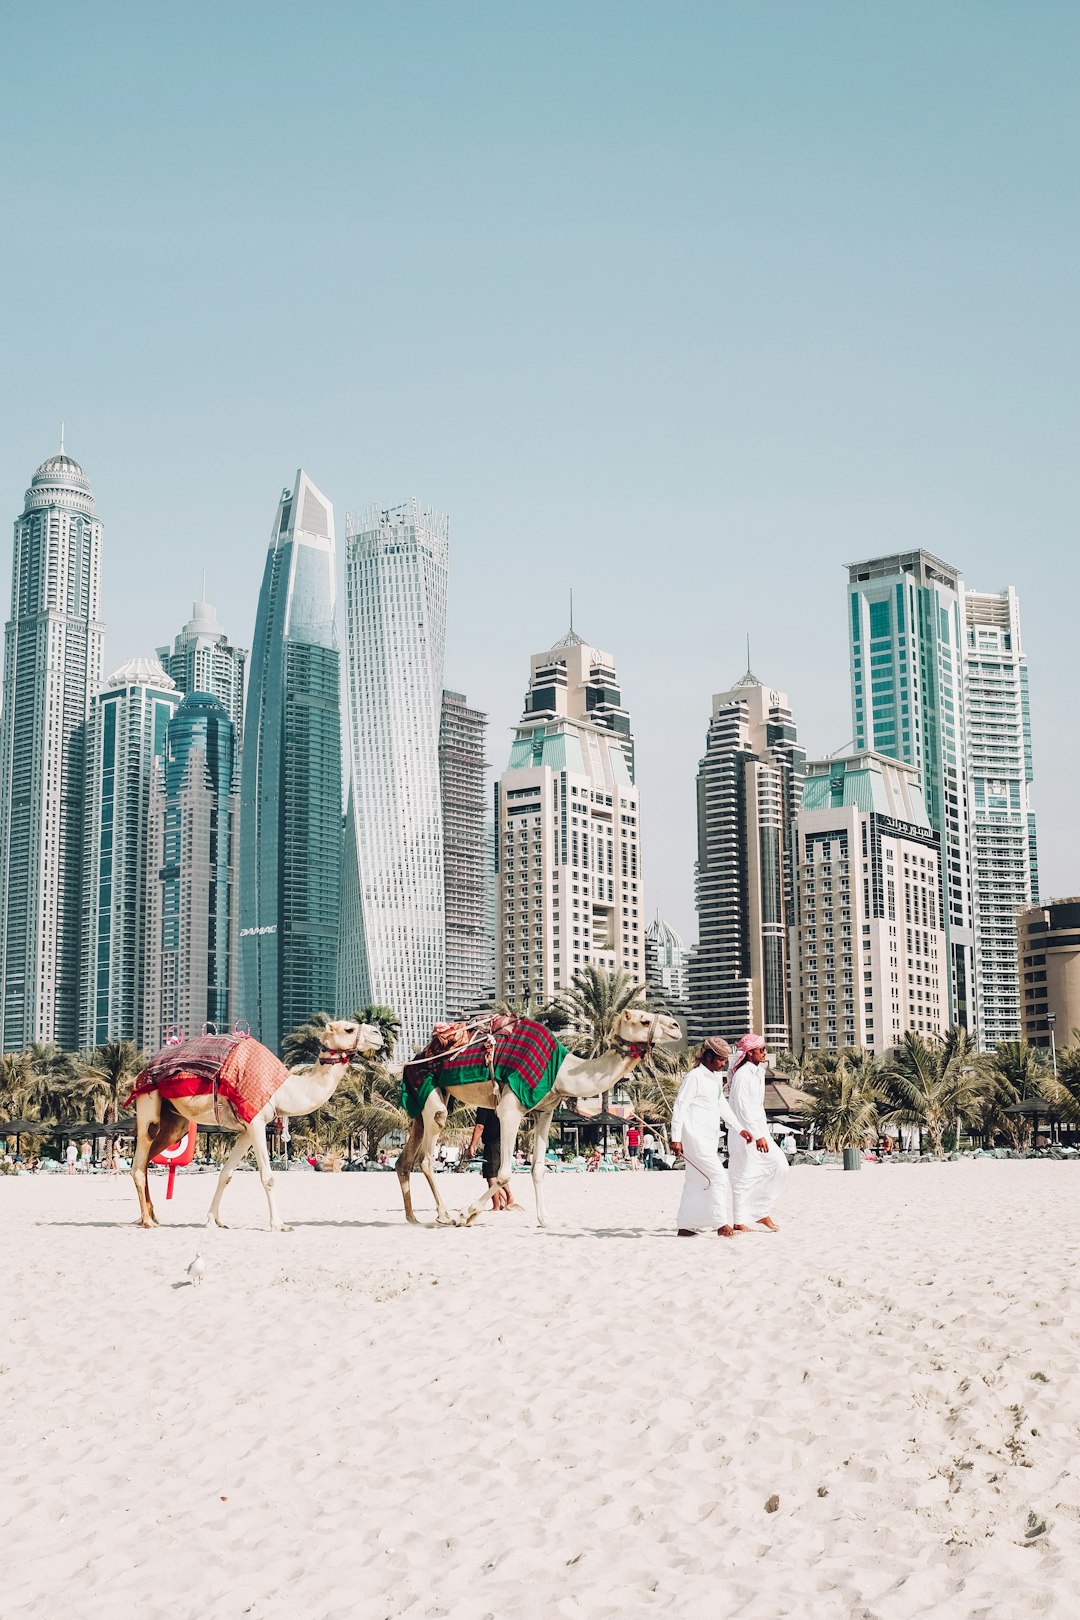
[(191, 965), (52, 667), (125, 754), (462, 766), (1004, 864), (748, 789), (868, 948), (568, 842), (667, 968), (203, 659), (393, 940), (290, 838), (907, 640), (1049, 953)]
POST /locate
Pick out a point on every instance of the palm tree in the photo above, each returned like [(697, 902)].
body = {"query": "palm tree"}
[(109, 1070), (43, 1088), (846, 1097), (1067, 1092), (932, 1084), (1017, 1072), (592, 1007)]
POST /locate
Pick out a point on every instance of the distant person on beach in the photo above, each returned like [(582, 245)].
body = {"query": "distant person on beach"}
[(696, 1119), (633, 1145), (648, 1150), (486, 1131), (757, 1166), (72, 1158)]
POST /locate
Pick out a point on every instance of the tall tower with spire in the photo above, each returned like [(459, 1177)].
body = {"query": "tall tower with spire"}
[(52, 666), (748, 790), (203, 659)]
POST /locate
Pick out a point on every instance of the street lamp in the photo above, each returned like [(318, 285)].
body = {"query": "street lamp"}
[(1051, 1019)]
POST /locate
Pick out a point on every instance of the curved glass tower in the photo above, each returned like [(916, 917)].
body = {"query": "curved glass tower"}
[(393, 947), (290, 838), (52, 666)]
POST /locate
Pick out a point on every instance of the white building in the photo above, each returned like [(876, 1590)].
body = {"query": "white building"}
[(203, 659), (666, 962), (393, 937), (868, 945), (52, 667), (570, 884), (125, 753), (1004, 871)]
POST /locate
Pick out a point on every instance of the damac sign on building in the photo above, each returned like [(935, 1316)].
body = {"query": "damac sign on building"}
[(246, 933)]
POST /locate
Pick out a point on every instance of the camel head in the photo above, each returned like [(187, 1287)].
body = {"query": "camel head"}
[(343, 1040), (636, 1031)]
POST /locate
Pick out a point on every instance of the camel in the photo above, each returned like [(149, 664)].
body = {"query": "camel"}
[(635, 1033), (161, 1121)]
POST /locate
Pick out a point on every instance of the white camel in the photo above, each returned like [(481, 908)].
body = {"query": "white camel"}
[(636, 1032), (163, 1121)]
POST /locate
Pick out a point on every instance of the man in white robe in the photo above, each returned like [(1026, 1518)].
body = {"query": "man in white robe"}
[(757, 1166), (696, 1119)]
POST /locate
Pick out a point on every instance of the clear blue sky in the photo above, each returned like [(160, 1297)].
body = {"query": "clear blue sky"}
[(684, 305)]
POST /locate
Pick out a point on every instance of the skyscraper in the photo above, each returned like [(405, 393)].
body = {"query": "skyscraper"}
[(125, 752), (868, 951), (568, 845), (1004, 867), (193, 815), (748, 787), (907, 650), (203, 659), (290, 840), (666, 962), (466, 847), (393, 948), (52, 666)]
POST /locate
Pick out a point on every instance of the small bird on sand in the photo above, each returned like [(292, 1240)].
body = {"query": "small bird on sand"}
[(196, 1270)]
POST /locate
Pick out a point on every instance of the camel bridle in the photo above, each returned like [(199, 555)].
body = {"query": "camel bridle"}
[(638, 1049)]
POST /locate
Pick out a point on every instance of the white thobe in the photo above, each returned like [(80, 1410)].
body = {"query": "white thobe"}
[(757, 1179), (700, 1110)]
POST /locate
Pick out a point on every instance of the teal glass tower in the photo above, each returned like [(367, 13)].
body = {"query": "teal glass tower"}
[(907, 685), (291, 824)]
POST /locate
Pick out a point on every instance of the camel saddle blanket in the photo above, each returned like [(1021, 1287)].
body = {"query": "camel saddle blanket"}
[(245, 1073), (526, 1058)]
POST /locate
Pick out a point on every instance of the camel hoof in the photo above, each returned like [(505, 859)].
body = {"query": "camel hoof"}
[(212, 1221), (281, 1227), (147, 1226)]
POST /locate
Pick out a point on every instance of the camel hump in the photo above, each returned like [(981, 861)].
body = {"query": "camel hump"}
[(203, 1057)]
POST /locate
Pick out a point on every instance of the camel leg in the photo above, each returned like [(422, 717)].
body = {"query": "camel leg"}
[(510, 1116), (417, 1153), (405, 1161), (148, 1117), (232, 1159), (541, 1131), (256, 1133)]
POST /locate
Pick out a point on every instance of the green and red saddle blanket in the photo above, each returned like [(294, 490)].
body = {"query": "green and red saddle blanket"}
[(526, 1058)]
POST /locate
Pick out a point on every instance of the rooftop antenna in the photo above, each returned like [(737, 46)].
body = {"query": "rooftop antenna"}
[(748, 652), (61, 435), (571, 607)]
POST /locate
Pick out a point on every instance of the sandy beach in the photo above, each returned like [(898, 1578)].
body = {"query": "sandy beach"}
[(875, 1414)]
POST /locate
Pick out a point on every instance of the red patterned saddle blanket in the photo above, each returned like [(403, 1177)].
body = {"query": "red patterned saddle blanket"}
[(244, 1073)]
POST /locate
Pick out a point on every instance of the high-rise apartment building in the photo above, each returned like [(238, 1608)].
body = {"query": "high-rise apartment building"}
[(568, 850), (393, 943), (1049, 949), (667, 966), (868, 951), (125, 752), (748, 788), (52, 667), (290, 840), (907, 637), (462, 732), (1004, 867), (203, 659), (193, 821)]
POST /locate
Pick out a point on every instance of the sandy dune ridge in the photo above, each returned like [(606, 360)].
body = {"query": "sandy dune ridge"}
[(363, 1419)]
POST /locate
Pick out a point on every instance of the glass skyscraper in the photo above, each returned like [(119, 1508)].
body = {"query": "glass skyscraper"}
[(193, 823), (52, 666), (124, 756), (466, 854), (290, 842), (393, 946), (907, 651)]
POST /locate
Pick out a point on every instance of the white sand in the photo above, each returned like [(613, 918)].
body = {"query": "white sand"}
[(363, 1419)]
